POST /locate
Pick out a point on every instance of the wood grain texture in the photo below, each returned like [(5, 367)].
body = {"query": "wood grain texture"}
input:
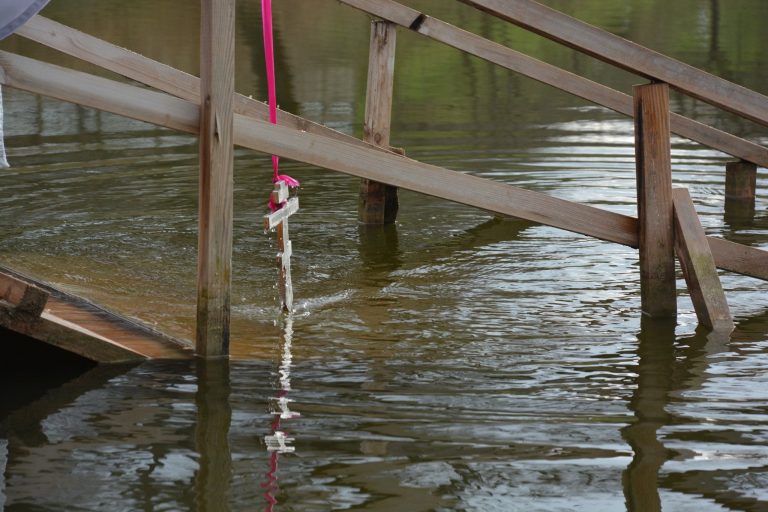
[(698, 266), (378, 203), (366, 161), (627, 55), (558, 78), (654, 201), (214, 255)]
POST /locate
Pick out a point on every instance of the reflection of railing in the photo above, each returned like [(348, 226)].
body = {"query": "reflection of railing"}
[(295, 138)]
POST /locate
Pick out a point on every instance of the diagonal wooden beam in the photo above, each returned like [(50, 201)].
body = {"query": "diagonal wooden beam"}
[(581, 87), (361, 161), (155, 74), (628, 55), (698, 266)]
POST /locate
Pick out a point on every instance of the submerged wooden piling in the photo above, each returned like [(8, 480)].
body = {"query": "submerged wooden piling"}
[(740, 191), (378, 203), (654, 200), (217, 87)]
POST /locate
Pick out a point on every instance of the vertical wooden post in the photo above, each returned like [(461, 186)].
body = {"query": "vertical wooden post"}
[(214, 265), (378, 202), (654, 200), (740, 189), (740, 180)]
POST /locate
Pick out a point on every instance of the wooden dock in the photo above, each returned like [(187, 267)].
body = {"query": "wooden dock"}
[(42, 312)]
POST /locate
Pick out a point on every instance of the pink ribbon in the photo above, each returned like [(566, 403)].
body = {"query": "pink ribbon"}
[(269, 57)]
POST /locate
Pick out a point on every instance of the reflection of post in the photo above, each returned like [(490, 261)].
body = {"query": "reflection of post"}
[(214, 414), (277, 441), (657, 359)]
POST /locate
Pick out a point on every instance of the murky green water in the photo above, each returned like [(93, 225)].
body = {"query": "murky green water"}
[(452, 362)]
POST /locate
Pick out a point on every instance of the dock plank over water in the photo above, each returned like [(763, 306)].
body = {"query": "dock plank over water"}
[(79, 326)]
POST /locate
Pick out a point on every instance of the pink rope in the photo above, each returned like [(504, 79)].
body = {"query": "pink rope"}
[(269, 56)]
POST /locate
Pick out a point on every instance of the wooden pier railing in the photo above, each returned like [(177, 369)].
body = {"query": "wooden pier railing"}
[(179, 107)]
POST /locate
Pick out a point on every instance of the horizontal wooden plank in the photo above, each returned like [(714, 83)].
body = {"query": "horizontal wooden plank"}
[(628, 55), (366, 162), (558, 78), (154, 74)]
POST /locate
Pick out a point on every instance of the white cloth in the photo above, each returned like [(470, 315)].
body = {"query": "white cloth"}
[(14, 13)]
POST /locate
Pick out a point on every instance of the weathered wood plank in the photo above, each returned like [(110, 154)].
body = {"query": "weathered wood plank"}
[(554, 76), (378, 203), (217, 89), (628, 55), (100, 93), (698, 266), (361, 161), (654, 200), (158, 75), (66, 335), (24, 297)]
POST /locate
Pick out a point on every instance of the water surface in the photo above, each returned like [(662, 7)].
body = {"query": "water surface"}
[(454, 361)]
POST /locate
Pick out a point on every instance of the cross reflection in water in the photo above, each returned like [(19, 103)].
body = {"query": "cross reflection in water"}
[(278, 442)]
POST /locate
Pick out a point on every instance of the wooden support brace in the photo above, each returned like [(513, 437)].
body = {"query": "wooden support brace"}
[(24, 297), (378, 203), (654, 200), (699, 266)]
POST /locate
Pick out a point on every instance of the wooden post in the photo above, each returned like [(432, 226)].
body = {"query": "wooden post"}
[(214, 266), (699, 266), (654, 200), (740, 189), (378, 202)]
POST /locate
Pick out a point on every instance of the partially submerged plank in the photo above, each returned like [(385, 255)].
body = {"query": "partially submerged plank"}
[(628, 55), (553, 76), (362, 161), (654, 201), (698, 266), (24, 297), (216, 200)]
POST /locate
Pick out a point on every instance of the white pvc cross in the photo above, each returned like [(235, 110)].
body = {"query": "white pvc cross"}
[(279, 220)]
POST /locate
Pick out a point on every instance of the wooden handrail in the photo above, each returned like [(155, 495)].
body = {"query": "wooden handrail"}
[(628, 55), (361, 160), (152, 73), (552, 75)]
